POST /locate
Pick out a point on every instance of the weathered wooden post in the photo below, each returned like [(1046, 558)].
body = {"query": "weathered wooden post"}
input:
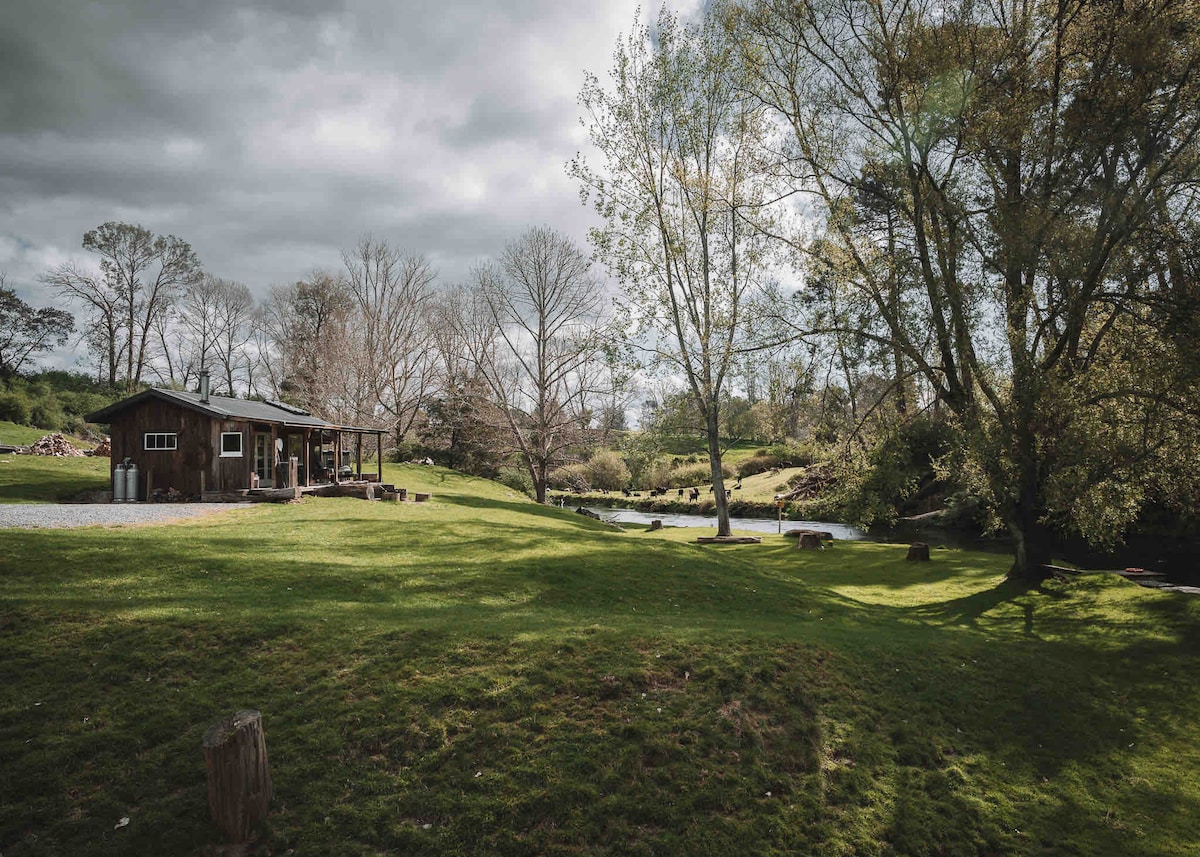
[(239, 776)]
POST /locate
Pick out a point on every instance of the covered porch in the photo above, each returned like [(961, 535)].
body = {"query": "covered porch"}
[(309, 457)]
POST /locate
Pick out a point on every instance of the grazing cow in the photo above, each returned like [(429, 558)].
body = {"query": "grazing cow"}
[(626, 492), (680, 494), (694, 495)]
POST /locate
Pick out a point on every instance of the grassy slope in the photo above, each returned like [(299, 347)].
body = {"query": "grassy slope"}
[(44, 479), (480, 675)]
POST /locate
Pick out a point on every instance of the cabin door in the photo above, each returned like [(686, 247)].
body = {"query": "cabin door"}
[(262, 460)]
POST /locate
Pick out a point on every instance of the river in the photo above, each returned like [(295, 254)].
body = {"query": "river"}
[(758, 525)]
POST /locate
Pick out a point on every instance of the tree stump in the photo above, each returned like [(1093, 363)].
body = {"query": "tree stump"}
[(239, 776), (918, 552), (655, 525), (403, 492), (420, 497), (810, 541)]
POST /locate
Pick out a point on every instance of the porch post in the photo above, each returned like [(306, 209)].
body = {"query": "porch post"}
[(306, 451), (358, 454), (379, 453)]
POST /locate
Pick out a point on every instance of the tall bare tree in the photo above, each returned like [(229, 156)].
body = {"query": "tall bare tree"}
[(392, 291), (528, 327), (141, 276), (682, 190), (307, 325), (102, 303)]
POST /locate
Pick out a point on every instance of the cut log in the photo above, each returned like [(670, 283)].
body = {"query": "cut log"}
[(273, 495), (810, 541), (729, 540), (420, 497), (655, 525), (918, 552), (403, 492), (235, 496), (239, 776), (824, 535)]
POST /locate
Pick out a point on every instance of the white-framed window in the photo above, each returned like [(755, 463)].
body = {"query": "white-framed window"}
[(158, 440), (231, 444)]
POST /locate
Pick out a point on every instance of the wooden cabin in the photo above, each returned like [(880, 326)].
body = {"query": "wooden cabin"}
[(196, 443)]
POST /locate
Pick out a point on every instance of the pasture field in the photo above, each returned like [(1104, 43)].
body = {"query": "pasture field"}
[(481, 675)]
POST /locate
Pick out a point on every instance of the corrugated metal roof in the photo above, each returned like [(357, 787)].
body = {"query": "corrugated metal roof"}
[(224, 407)]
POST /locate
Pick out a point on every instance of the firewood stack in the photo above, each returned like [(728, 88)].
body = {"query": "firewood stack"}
[(54, 444), (103, 450)]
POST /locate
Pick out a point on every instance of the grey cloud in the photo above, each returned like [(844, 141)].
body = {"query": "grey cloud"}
[(272, 134)]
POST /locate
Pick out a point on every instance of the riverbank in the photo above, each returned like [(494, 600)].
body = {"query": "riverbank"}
[(672, 503)]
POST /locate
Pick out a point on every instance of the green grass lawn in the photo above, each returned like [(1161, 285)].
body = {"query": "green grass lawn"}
[(46, 479), (480, 675), (20, 435)]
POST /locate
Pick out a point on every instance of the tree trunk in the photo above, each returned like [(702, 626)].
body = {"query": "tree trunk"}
[(718, 478), (239, 777), (1032, 543)]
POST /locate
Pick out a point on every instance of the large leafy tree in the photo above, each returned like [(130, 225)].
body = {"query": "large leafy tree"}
[(681, 187), (1006, 185), (26, 332)]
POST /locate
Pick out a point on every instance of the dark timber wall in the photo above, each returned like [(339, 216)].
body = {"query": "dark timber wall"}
[(196, 463)]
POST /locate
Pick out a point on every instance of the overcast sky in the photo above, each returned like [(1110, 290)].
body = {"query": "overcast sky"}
[(271, 135)]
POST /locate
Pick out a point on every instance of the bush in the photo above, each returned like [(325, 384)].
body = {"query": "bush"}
[(663, 475), (45, 413), (760, 462), (14, 407), (607, 471), (876, 487), (403, 451), (516, 478), (569, 477)]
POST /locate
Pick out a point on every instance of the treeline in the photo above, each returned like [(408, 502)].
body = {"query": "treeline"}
[(511, 368)]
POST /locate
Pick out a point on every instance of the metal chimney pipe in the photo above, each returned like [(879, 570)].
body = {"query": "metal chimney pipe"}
[(204, 385)]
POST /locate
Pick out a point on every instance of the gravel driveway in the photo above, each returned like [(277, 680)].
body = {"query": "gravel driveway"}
[(103, 514)]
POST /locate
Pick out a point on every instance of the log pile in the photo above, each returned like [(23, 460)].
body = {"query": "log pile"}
[(56, 445), (103, 449), (810, 483)]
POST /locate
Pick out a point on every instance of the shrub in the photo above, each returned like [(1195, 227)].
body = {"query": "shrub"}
[(607, 471), (45, 413), (517, 479), (569, 477), (760, 462), (404, 451), (14, 407)]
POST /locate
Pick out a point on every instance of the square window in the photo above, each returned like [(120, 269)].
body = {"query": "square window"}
[(231, 444), (160, 441)]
